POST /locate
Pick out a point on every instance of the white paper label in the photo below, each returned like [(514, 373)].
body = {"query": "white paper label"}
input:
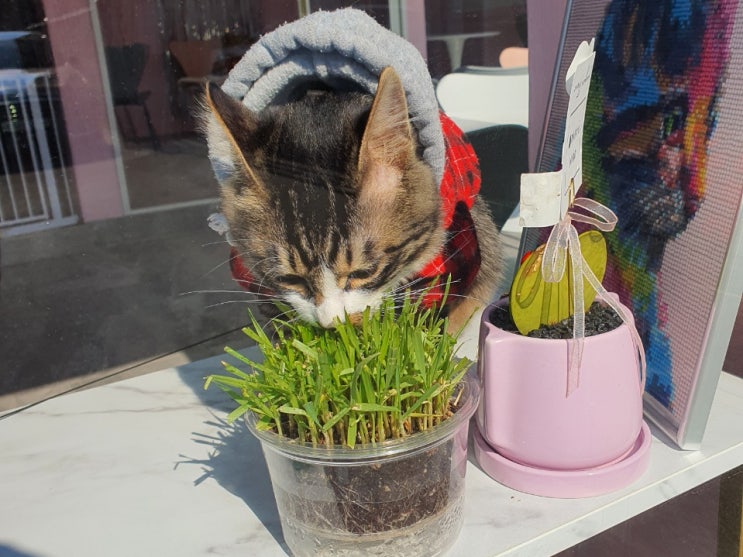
[(540, 199), (546, 197), (577, 81)]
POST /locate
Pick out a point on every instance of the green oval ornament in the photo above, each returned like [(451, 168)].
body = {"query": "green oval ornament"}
[(535, 302)]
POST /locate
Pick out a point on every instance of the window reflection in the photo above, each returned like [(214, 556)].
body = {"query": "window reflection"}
[(106, 261)]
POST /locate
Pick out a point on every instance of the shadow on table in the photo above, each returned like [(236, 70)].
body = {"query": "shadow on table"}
[(7, 551), (235, 458)]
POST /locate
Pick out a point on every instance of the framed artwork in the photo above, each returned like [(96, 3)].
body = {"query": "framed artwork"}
[(663, 148)]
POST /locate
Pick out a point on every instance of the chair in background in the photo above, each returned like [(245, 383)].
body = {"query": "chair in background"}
[(491, 105), (503, 152), (486, 95), (195, 62), (196, 58), (125, 68)]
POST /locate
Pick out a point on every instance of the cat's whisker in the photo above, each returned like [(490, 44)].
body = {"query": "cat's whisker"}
[(405, 286), (226, 302), (264, 261), (212, 291), (222, 264), (400, 293), (215, 268), (238, 255), (263, 296), (244, 302), (272, 273), (215, 243), (281, 316), (223, 242), (268, 300), (422, 281)]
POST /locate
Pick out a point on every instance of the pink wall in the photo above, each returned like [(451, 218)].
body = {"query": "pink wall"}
[(545, 26), (414, 22), (76, 59)]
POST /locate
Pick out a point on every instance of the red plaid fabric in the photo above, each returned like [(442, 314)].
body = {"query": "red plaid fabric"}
[(459, 261), (242, 275)]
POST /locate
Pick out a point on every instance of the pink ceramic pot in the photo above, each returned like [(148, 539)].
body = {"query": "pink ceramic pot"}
[(525, 415)]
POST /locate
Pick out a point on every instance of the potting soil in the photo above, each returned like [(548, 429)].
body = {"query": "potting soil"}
[(599, 319)]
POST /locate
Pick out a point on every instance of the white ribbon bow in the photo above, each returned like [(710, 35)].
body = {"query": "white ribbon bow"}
[(563, 240)]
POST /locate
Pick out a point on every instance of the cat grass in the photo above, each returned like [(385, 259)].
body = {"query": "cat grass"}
[(391, 375)]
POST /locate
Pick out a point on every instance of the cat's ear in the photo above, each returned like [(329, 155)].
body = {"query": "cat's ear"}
[(230, 129), (388, 142)]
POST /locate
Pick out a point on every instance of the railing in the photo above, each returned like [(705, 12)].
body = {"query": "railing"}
[(35, 186)]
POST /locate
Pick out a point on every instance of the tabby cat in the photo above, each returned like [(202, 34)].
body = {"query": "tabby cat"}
[(330, 205)]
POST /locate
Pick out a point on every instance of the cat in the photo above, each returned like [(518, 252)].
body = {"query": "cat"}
[(331, 207)]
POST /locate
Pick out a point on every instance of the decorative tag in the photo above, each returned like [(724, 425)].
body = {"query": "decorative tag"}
[(545, 197), (540, 199), (577, 81)]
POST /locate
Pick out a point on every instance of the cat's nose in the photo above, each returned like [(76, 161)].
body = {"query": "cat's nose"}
[(328, 323), (328, 312), (354, 319)]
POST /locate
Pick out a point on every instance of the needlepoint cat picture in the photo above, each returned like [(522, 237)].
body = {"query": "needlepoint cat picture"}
[(662, 150)]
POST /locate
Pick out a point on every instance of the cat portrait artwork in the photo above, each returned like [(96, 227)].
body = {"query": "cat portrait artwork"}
[(652, 110), (661, 148), (330, 204)]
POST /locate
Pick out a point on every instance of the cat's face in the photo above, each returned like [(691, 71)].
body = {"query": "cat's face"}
[(658, 111), (327, 200)]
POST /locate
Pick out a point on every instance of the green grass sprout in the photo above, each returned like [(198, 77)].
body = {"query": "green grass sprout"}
[(393, 374)]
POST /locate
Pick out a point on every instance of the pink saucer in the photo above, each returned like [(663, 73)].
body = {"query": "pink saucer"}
[(568, 484)]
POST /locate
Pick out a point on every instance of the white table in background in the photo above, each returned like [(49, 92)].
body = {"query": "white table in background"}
[(455, 43)]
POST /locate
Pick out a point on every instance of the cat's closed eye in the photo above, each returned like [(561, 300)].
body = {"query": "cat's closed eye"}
[(294, 282), (356, 279)]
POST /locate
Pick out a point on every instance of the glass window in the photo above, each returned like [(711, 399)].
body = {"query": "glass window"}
[(107, 265)]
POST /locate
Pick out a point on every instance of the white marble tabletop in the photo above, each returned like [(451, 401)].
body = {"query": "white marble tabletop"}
[(148, 466)]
